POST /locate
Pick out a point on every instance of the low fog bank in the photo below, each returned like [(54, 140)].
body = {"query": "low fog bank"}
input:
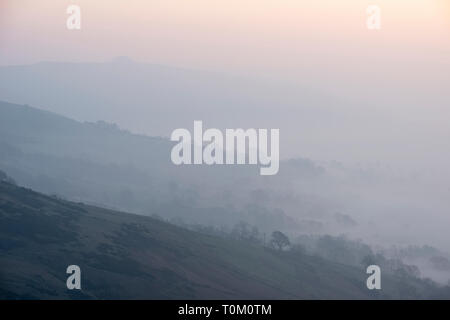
[(368, 170), (406, 129)]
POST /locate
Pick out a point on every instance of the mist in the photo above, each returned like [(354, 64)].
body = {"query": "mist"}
[(363, 120)]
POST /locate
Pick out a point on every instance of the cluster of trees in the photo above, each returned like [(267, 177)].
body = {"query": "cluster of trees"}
[(338, 249), (5, 178), (354, 252), (242, 231), (245, 232), (393, 266)]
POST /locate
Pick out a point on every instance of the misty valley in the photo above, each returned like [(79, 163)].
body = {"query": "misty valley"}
[(224, 159), (138, 226)]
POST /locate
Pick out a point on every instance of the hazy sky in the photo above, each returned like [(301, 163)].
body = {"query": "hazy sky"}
[(403, 68), (322, 41), (241, 35)]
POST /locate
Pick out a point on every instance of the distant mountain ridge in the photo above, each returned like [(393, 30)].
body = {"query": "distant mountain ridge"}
[(100, 164), (155, 99), (140, 95)]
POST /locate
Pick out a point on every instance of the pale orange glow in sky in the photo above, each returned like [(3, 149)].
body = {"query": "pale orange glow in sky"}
[(316, 41), (205, 30), (322, 45)]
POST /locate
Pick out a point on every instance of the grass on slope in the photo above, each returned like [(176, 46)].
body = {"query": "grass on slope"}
[(126, 256)]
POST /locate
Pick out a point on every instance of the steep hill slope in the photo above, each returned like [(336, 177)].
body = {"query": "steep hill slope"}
[(130, 256)]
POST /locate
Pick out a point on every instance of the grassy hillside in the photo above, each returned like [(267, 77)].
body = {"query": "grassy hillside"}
[(99, 164), (129, 256)]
